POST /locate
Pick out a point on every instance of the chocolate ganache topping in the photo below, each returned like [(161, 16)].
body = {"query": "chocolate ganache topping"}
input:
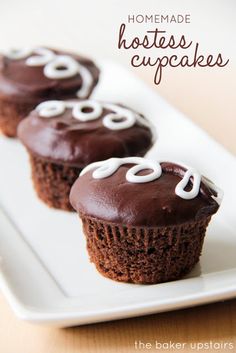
[(41, 73), (116, 195), (77, 133)]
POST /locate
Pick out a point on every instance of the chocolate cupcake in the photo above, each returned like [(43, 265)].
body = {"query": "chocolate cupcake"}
[(31, 76), (63, 137), (144, 222)]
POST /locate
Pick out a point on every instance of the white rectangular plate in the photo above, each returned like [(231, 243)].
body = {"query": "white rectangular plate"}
[(44, 271)]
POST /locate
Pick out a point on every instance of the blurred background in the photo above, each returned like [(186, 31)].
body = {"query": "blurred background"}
[(206, 95)]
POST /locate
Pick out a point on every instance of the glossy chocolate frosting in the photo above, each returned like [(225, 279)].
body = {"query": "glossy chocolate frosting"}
[(66, 140), (114, 199), (22, 83)]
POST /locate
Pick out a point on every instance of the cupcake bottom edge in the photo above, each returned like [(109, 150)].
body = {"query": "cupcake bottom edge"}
[(144, 255)]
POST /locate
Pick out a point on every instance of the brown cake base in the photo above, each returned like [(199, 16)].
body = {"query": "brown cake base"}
[(11, 113), (142, 254), (53, 182)]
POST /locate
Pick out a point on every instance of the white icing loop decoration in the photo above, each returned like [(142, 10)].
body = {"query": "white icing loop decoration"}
[(51, 108), (17, 54), (132, 176), (55, 66), (110, 166), (104, 169), (120, 119), (95, 113), (188, 195), (63, 66), (43, 57), (87, 81), (114, 121)]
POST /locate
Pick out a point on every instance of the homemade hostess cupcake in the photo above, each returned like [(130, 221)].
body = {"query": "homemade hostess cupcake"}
[(30, 76), (63, 137), (144, 222)]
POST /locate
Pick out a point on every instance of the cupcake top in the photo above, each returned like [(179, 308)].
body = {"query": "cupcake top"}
[(77, 133), (139, 192), (43, 73)]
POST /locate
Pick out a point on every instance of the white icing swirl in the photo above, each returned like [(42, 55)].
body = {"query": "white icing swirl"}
[(63, 66), (132, 176), (115, 121), (87, 80), (51, 108), (55, 66), (180, 187), (93, 113), (104, 169), (18, 54), (120, 118), (110, 166), (43, 57)]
